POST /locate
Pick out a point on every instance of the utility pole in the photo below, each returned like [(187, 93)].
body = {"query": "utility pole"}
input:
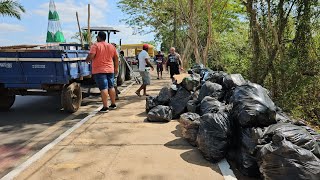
[(89, 31)]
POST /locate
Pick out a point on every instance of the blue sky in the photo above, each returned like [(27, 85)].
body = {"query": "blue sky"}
[(32, 28)]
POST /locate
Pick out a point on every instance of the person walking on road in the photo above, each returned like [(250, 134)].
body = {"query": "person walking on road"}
[(159, 59), (174, 62), (144, 68), (105, 64)]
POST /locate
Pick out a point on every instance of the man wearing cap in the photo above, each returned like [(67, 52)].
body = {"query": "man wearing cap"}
[(105, 64), (144, 68)]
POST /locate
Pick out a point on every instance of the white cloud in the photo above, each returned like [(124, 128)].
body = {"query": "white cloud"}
[(99, 10), (68, 8), (9, 28), (100, 3)]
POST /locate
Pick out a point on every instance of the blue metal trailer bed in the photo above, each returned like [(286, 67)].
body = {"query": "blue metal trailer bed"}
[(52, 71)]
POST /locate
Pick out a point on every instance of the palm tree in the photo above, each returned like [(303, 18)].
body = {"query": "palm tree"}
[(11, 8), (85, 36)]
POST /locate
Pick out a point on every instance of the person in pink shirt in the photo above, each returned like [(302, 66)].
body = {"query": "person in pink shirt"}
[(105, 64)]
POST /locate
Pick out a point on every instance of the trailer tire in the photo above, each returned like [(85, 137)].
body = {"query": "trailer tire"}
[(71, 97), (6, 100)]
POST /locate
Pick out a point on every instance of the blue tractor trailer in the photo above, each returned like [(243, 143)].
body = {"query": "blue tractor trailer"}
[(43, 72)]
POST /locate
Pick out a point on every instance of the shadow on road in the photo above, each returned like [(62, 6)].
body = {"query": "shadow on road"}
[(33, 110)]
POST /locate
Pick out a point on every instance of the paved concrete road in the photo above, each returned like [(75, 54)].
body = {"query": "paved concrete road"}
[(33, 122), (122, 145)]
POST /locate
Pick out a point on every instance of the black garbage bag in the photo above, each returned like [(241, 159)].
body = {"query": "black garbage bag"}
[(190, 71), (252, 106), (197, 68), (204, 71), (179, 102), (193, 106), (215, 77), (210, 105), (313, 133), (227, 96), (282, 117), (247, 151), (210, 89), (191, 83), (151, 102), (195, 95), (174, 88), (282, 160), (214, 135), (160, 114), (190, 126), (295, 134), (165, 95), (233, 80)]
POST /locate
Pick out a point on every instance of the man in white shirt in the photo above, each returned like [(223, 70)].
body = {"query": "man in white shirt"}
[(144, 68)]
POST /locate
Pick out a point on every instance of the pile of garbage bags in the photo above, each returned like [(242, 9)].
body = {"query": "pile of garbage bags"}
[(226, 116)]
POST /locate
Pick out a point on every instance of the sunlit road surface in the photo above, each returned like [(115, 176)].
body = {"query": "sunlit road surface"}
[(35, 121)]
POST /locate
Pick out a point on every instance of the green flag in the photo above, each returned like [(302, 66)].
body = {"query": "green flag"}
[(54, 34)]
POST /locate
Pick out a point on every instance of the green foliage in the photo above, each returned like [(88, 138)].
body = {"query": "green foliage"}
[(85, 35), (274, 43), (11, 8)]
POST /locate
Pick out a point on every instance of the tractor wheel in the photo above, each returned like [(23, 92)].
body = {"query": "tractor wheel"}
[(71, 97), (6, 99)]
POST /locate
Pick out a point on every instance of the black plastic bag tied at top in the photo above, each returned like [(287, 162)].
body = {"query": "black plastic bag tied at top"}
[(160, 114), (252, 106), (282, 160), (214, 135), (179, 102), (295, 134), (210, 89)]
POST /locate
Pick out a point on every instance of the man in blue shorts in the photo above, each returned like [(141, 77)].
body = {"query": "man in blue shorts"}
[(105, 64)]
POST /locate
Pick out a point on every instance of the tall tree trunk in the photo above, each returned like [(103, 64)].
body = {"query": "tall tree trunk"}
[(256, 51), (193, 33), (186, 53), (209, 37)]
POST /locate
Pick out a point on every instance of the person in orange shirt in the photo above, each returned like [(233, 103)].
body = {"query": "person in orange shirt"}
[(105, 64)]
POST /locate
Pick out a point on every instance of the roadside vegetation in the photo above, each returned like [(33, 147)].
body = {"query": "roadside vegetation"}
[(273, 43)]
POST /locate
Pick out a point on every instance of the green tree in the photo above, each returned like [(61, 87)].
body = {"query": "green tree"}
[(192, 23), (85, 36), (11, 8), (273, 43)]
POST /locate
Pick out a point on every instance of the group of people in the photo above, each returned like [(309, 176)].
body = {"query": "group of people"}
[(105, 68), (172, 63)]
